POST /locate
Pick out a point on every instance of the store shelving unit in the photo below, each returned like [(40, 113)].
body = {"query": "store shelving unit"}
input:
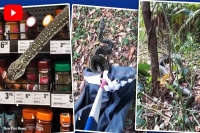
[(56, 48)]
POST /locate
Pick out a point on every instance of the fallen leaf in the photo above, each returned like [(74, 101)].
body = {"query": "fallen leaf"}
[(78, 49), (120, 39), (122, 34), (82, 60), (197, 99), (82, 86), (121, 27), (128, 30), (156, 128), (95, 43), (111, 61), (91, 12)]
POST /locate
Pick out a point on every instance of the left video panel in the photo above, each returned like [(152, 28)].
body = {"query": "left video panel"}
[(35, 70)]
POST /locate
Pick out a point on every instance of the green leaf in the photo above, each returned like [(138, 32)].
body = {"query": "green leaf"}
[(184, 72)]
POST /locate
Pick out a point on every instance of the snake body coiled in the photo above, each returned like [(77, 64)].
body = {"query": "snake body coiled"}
[(17, 68), (98, 63)]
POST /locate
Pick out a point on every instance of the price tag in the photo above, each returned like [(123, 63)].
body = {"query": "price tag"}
[(41, 98), (60, 47), (23, 45), (23, 97), (4, 46), (7, 97), (62, 100)]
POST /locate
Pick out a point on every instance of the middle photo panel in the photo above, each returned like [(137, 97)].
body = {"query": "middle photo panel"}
[(104, 45)]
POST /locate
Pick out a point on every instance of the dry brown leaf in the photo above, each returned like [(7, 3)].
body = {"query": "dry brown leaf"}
[(121, 27), (82, 60), (78, 49), (112, 29), (111, 61), (95, 43), (120, 39), (122, 34), (82, 86), (92, 11), (92, 30), (128, 30), (197, 99)]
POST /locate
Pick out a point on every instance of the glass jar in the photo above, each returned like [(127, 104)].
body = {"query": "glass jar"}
[(63, 76), (5, 67), (29, 116), (43, 75), (43, 121), (65, 121)]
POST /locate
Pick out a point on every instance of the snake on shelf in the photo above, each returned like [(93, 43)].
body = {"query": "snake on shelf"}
[(98, 63), (17, 68)]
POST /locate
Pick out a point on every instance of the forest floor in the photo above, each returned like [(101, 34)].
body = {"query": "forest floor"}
[(121, 28)]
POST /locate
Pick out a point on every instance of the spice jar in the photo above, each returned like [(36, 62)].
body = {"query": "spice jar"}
[(65, 121), (11, 28), (29, 116), (31, 23), (47, 19), (31, 79), (43, 75), (63, 34), (23, 26), (63, 76), (1, 27), (43, 121), (32, 69), (10, 123), (5, 67), (49, 68), (4, 79), (2, 116)]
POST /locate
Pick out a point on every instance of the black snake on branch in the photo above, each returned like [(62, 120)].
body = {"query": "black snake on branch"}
[(98, 63), (17, 68)]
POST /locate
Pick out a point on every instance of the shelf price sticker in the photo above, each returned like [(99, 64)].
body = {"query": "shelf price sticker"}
[(60, 47), (62, 100), (23, 45), (7, 97), (23, 97), (41, 98), (4, 46)]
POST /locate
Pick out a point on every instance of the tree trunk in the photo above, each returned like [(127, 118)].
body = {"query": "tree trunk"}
[(152, 46)]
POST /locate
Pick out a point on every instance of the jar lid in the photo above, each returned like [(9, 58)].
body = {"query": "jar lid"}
[(47, 19), (3, 63), (42, 65), (31, 22), (57, 11), (44, 115), (29, 113), (62, 66), (48, 60), (31, 76), (65, 117)]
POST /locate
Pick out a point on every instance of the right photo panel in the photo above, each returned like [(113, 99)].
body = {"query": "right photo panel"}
[(168, 86)]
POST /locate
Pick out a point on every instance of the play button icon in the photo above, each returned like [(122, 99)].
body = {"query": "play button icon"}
[(13, 12)]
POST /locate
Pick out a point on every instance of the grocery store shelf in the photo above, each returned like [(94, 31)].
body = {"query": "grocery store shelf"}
[(20, 97), (20, 46)]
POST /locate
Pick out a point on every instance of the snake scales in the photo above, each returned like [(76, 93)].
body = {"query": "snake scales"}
[(17, 68), (98, 63)]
